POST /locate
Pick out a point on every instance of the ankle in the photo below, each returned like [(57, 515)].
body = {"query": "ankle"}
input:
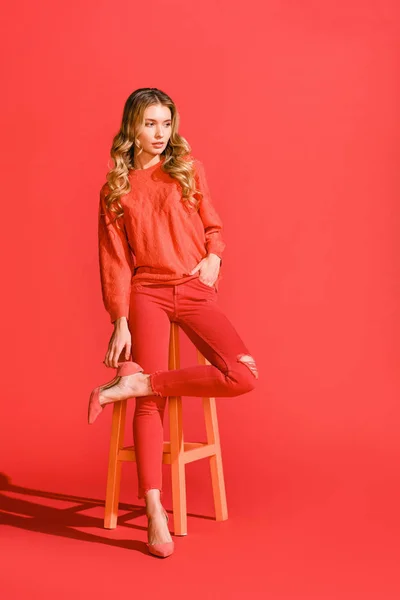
[(147, 382), (153, 502)]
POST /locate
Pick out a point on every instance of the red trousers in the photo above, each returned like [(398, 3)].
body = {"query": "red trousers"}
[(194, 306)]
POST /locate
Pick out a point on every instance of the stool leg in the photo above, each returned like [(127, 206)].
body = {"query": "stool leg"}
[(114, 465), (212, 432), (178, 478), (177, 466), (217, 472)]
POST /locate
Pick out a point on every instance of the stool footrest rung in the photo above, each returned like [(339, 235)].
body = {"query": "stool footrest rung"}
[(192, 451)]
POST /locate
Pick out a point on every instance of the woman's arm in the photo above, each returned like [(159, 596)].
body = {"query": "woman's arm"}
[(115, 261), (211, 220)]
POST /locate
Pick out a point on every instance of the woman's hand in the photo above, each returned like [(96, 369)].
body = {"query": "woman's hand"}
[(209, 269), (120, 340)]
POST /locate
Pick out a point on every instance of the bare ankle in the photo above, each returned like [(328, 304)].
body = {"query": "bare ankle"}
[(153, 501), (149, 389)]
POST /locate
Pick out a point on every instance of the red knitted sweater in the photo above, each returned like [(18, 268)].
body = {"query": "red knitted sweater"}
[(160, 240)]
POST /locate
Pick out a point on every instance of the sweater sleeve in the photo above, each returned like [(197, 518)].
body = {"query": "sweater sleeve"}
[(115, 261), (208, 214)]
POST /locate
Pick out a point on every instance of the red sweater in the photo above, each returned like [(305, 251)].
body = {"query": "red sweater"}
[(160, 241)]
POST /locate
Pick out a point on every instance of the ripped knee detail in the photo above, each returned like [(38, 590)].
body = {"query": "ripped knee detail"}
[(249, 362)]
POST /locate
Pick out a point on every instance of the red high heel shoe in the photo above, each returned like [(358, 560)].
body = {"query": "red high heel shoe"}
[(95, 408), (163, 550)]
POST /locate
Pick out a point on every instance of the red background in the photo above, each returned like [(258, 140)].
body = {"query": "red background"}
[(293, 107)]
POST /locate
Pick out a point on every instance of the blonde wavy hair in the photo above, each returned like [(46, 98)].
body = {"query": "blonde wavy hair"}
[(125, 147)]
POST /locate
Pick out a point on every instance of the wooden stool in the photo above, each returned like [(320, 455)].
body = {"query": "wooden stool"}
[(176, 452)]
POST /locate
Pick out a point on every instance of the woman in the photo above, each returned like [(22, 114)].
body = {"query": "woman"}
[(160, 254)]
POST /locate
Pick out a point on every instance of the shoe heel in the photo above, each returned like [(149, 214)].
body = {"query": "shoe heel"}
[(128, 368), (95, 408)]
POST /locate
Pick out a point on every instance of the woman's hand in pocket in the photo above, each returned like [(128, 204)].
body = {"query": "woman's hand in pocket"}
[(120, 341), (209, 269)]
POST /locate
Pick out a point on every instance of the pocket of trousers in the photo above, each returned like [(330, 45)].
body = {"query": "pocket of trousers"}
[(204, 285)]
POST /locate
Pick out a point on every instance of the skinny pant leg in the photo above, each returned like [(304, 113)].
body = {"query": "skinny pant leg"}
[(150, 330), (232, 370)]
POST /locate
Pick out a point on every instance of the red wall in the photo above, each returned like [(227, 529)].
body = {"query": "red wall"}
[(294, 109)]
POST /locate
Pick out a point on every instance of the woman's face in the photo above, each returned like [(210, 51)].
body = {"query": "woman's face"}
[(156, 128)]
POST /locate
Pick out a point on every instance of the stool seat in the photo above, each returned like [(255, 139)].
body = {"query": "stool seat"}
[(176, 451)]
